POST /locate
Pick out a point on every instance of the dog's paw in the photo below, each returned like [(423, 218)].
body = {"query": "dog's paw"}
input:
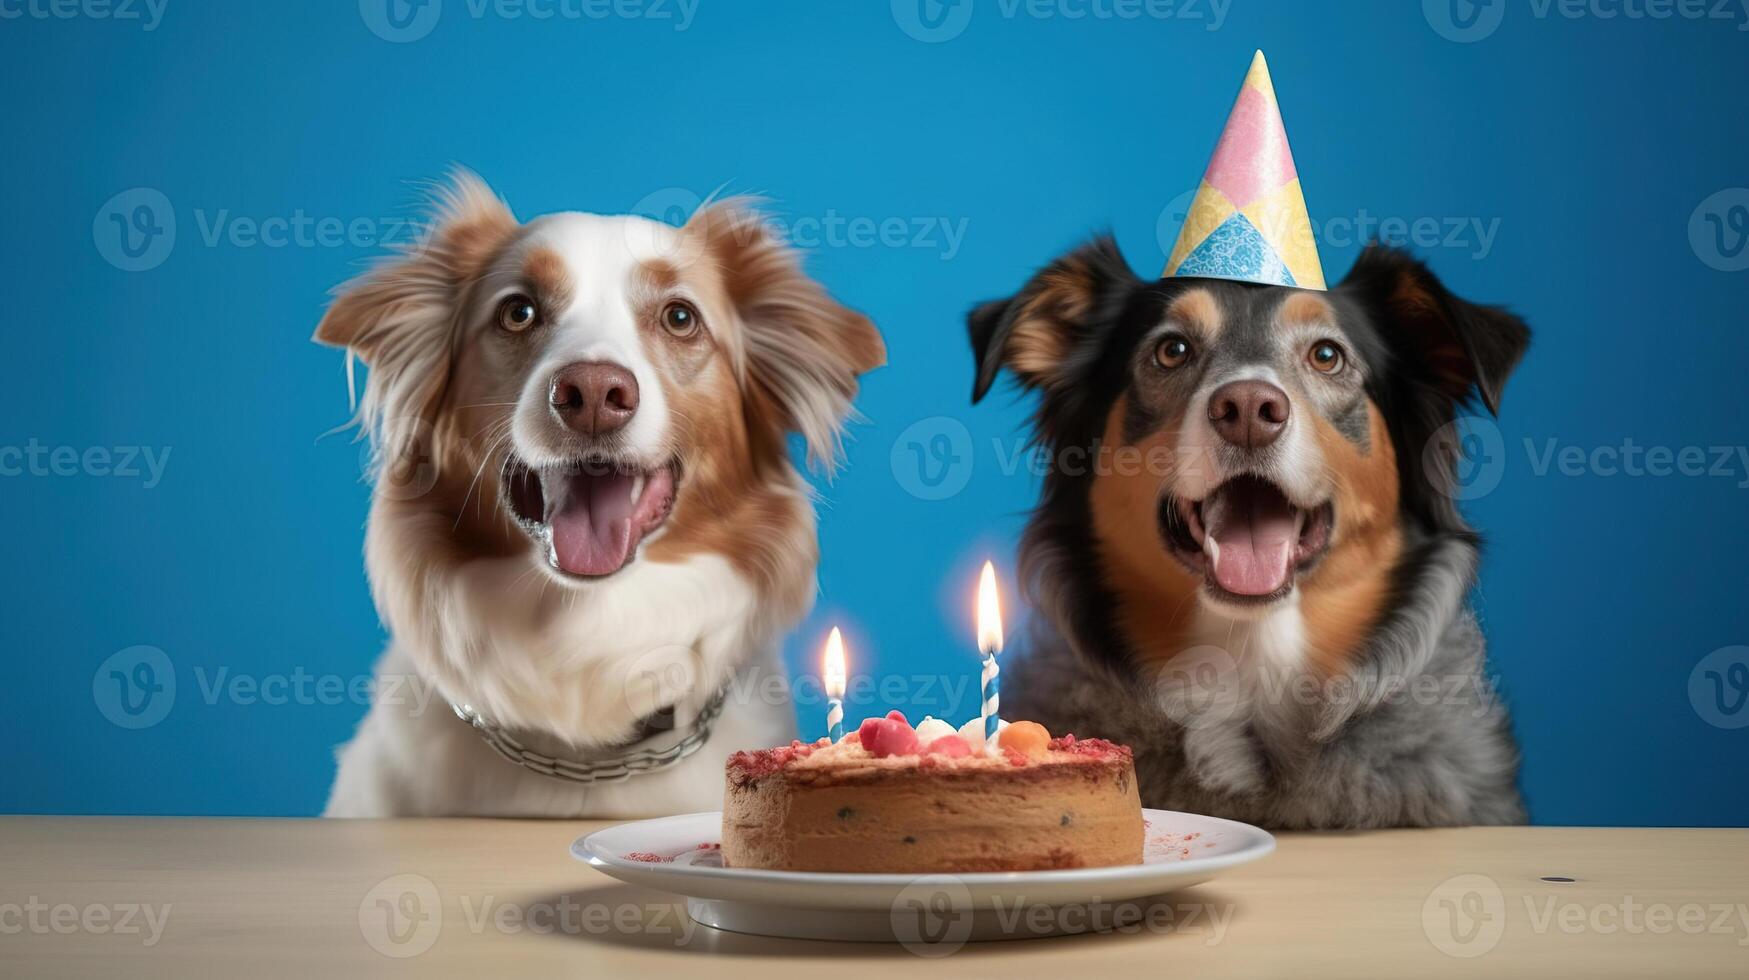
[(1225, 760)]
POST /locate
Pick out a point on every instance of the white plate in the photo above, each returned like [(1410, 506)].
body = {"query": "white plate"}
[(681, 855)]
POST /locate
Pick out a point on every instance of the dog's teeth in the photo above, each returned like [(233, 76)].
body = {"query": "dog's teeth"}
[(637, 487)]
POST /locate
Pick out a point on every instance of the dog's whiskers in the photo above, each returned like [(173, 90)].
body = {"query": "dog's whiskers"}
[(491, 451)]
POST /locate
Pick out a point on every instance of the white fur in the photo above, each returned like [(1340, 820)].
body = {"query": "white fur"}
[(1231, 680), (579, 662), (539, 657)]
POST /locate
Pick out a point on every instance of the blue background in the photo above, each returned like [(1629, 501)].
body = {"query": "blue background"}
[(1591, 142)]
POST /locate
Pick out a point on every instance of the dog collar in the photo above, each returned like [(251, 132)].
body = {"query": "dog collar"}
[(610, 769)]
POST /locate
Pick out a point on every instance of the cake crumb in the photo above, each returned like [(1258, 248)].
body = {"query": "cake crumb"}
[(1175, 847)]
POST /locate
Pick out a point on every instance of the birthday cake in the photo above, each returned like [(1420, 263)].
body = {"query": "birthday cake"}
[(893, 798)]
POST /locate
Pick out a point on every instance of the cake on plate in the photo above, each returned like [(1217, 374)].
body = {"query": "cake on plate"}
[(893, 798)]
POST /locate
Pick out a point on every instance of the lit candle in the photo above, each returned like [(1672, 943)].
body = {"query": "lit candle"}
[(989, 645), (834, 672)]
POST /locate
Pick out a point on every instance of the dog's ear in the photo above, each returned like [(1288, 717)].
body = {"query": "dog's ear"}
[(802, 350), (1036, 331), (399, 318), (1450, 344)]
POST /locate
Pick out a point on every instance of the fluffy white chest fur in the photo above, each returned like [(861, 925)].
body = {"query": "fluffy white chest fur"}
[(549, 660), (1234, 678)]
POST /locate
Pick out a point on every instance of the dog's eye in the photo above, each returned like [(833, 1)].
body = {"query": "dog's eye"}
[(1173, 352), (680, 319), (517, 313), (1325, 357)]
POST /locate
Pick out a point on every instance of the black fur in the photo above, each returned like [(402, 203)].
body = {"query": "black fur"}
[(1441, 354)]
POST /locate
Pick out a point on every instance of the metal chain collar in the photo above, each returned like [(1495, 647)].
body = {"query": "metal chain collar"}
[(609, 770)]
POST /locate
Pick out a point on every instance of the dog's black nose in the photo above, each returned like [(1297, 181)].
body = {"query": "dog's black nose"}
[(594, 398), (1248, 414)]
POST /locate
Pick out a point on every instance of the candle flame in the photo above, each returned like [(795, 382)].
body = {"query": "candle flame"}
[(989, 612), (834, 664)]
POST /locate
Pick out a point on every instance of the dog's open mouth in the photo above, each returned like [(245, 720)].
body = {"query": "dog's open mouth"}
[(590, 514), (1246, 538)]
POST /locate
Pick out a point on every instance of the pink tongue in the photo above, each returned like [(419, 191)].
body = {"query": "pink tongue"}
[(591, 523), (1251, 532)]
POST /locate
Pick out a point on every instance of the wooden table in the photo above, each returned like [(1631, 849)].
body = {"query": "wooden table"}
[(477, 898)]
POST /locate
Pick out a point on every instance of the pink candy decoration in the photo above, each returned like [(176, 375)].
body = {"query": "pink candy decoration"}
[(891, 735), (951, 746)]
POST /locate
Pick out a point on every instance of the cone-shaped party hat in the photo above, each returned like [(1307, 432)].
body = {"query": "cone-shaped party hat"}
[(1249, 219)]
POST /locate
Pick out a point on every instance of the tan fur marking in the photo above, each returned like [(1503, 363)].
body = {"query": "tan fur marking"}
[(466, 440), (738, 496), (400, 319), (1199, 310), (1041, 338), (1305, 310), (1037, 345), (734, 500), (469, 228), (476, 225), (547, 275), (756, 269), (659, 275), (1343, 599), (801, 351), (1155, 596), (659, 280)]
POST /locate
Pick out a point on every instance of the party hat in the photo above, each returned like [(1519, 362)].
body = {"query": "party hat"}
[(1249, 219)]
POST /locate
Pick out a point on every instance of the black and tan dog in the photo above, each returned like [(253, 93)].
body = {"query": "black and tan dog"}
[(1247, 562)]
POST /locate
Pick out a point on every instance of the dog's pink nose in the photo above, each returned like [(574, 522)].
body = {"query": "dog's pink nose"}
[(1248, 414), (594, 398)]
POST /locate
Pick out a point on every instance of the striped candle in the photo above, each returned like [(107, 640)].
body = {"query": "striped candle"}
[(992, 707), (834, 671), (835, 719), (990, 644)]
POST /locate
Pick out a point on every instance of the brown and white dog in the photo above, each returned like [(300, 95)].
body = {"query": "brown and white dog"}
[(586, 525), (1248, 560)]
